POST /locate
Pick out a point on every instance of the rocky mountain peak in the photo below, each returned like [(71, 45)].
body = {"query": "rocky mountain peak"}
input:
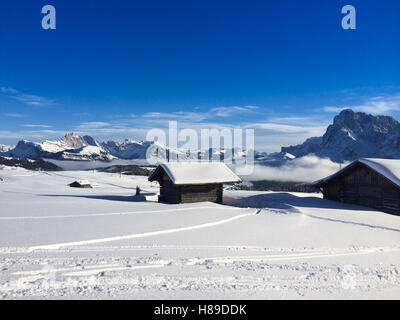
[(354, 135)]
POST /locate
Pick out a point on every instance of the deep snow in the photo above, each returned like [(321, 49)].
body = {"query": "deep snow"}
[(61, 242)]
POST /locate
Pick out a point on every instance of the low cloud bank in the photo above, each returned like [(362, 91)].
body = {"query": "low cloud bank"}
[(305, 169), (95, 164)]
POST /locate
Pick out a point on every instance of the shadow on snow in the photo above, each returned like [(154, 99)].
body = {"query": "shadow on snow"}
[(287, 201), (130, 198)]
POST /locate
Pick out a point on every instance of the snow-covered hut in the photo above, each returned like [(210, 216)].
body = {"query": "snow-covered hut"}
[(81, 184), (373, 183), (182, 182)]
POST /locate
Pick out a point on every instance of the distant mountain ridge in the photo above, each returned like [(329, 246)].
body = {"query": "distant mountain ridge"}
[(84, 148), (354, 135), (69, 147)]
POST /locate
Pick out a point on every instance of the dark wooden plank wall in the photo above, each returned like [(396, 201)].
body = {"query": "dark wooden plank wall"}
[(363, 186), (332, 191), (198, 193), (169, 192), (190, 193)]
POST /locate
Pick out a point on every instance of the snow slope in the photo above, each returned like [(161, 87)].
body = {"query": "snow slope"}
[(62, 242)]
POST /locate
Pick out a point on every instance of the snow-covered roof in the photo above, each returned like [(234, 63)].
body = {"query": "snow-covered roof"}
[(82, 182), (389, 168), (182, 173)]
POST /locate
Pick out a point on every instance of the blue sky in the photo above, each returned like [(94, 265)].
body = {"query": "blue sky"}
[(115, 69)]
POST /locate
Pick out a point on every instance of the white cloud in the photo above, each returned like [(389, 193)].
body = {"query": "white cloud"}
[(80, 114), (269, 136), (221, 112), (14, 115), (36, 126), (27, 99), (276, 127), (291, 120), (92, 125), (230, 111), (8, 90), (178, 115), (374, 105), (305, 169), (37, 135)]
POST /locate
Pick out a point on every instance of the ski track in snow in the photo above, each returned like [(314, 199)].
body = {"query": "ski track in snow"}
[(139, 235), (114, 213), (352, 222), (114, 275), (89, 270), (299, 210), (284, 257), (86, 273)]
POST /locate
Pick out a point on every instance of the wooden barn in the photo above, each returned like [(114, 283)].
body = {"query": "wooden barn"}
[(182, 182), (80, 184), (373, 183)]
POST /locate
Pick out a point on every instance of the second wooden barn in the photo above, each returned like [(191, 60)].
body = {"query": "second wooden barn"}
[(373, 183), (182, 182)]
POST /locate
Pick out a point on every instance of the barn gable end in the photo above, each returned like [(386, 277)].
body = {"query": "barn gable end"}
[(365, 182)]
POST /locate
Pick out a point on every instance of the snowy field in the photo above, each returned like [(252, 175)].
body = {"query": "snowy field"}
[(61, 242)]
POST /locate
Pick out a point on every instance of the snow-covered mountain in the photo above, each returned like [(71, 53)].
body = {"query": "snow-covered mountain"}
[(354, 135), (274, 159), (69, 147), (76, 147), (4, 148), (130, 149)]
